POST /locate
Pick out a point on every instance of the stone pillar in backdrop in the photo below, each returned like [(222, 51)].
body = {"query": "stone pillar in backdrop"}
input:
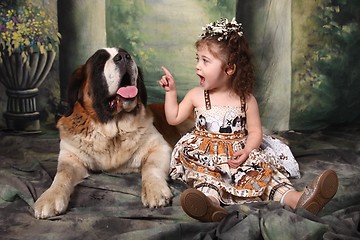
[(82, 24), (267, 26)]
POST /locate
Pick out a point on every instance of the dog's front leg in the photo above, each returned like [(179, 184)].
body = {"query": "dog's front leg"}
[(55, 200), (154, 173)]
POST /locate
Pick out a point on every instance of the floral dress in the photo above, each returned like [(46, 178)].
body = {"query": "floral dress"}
[(200, 158)]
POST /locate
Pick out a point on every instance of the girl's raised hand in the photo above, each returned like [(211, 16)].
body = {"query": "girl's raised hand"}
[(167, 81)]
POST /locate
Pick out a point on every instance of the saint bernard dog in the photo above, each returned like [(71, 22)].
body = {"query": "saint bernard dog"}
[(108, 128)]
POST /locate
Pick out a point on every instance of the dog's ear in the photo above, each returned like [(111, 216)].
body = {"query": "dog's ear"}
[(141, 87), (75, 84)]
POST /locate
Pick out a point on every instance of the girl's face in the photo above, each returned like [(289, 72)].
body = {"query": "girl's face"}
[(210, 70)]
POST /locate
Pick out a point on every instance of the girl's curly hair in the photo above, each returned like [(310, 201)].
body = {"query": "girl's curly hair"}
[(233, 51)]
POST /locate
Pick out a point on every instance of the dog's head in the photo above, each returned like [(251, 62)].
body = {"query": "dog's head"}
[(107, 85)]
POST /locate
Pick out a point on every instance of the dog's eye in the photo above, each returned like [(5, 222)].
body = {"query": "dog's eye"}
[(117, 58)]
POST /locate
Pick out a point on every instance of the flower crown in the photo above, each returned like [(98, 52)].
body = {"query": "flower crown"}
[(223, 28)]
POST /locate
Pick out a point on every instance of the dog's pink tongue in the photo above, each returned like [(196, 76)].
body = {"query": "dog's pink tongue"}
[(128, 92)]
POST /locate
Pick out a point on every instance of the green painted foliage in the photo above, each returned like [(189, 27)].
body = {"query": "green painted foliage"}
[(122, 25), (330, 86), (159, 33), (219, 8)]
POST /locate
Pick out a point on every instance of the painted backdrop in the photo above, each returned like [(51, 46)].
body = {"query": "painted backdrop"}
[(163, 33), (305, 51)]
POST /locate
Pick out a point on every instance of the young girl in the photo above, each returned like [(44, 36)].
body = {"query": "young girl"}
[(223, 158)]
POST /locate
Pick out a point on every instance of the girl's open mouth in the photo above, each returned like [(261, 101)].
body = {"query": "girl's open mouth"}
[(202, 80)]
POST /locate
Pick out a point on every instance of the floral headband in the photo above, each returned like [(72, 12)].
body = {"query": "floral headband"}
[(222, 28)]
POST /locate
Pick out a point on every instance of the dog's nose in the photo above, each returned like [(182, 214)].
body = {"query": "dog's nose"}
[(118, 57)]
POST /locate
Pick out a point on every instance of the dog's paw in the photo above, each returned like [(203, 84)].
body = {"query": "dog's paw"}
[(158, 195), (50, 203)]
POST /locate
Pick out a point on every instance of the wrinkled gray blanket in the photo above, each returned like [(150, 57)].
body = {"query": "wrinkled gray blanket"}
[(108, 206)]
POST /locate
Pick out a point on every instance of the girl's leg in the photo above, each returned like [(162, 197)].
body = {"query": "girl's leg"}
[(279, 189), (291, 198), (315, 196)]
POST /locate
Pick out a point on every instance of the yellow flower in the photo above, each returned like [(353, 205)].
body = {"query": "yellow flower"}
[(10, 25), (6, 36), (10, 13)]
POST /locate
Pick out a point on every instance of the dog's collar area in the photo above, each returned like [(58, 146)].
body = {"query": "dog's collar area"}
[(136, 109)]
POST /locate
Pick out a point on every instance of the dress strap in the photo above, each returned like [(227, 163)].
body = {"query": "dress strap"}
[(207, 99), (243, 104)]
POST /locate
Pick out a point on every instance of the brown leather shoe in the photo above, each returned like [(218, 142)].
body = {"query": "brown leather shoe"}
[(321, 190), (197, 205)]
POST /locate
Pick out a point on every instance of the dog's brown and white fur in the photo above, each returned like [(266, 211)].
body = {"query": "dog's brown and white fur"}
[(106, 132)]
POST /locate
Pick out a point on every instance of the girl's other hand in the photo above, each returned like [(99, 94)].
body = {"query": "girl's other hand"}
[(238, 158), (167, 81)]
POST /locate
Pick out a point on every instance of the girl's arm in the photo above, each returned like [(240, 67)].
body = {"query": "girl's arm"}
[(175, 113), (253, 124), (254, 138)]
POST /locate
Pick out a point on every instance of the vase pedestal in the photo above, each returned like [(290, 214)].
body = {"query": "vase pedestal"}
[(22, 115), (23, 123)]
